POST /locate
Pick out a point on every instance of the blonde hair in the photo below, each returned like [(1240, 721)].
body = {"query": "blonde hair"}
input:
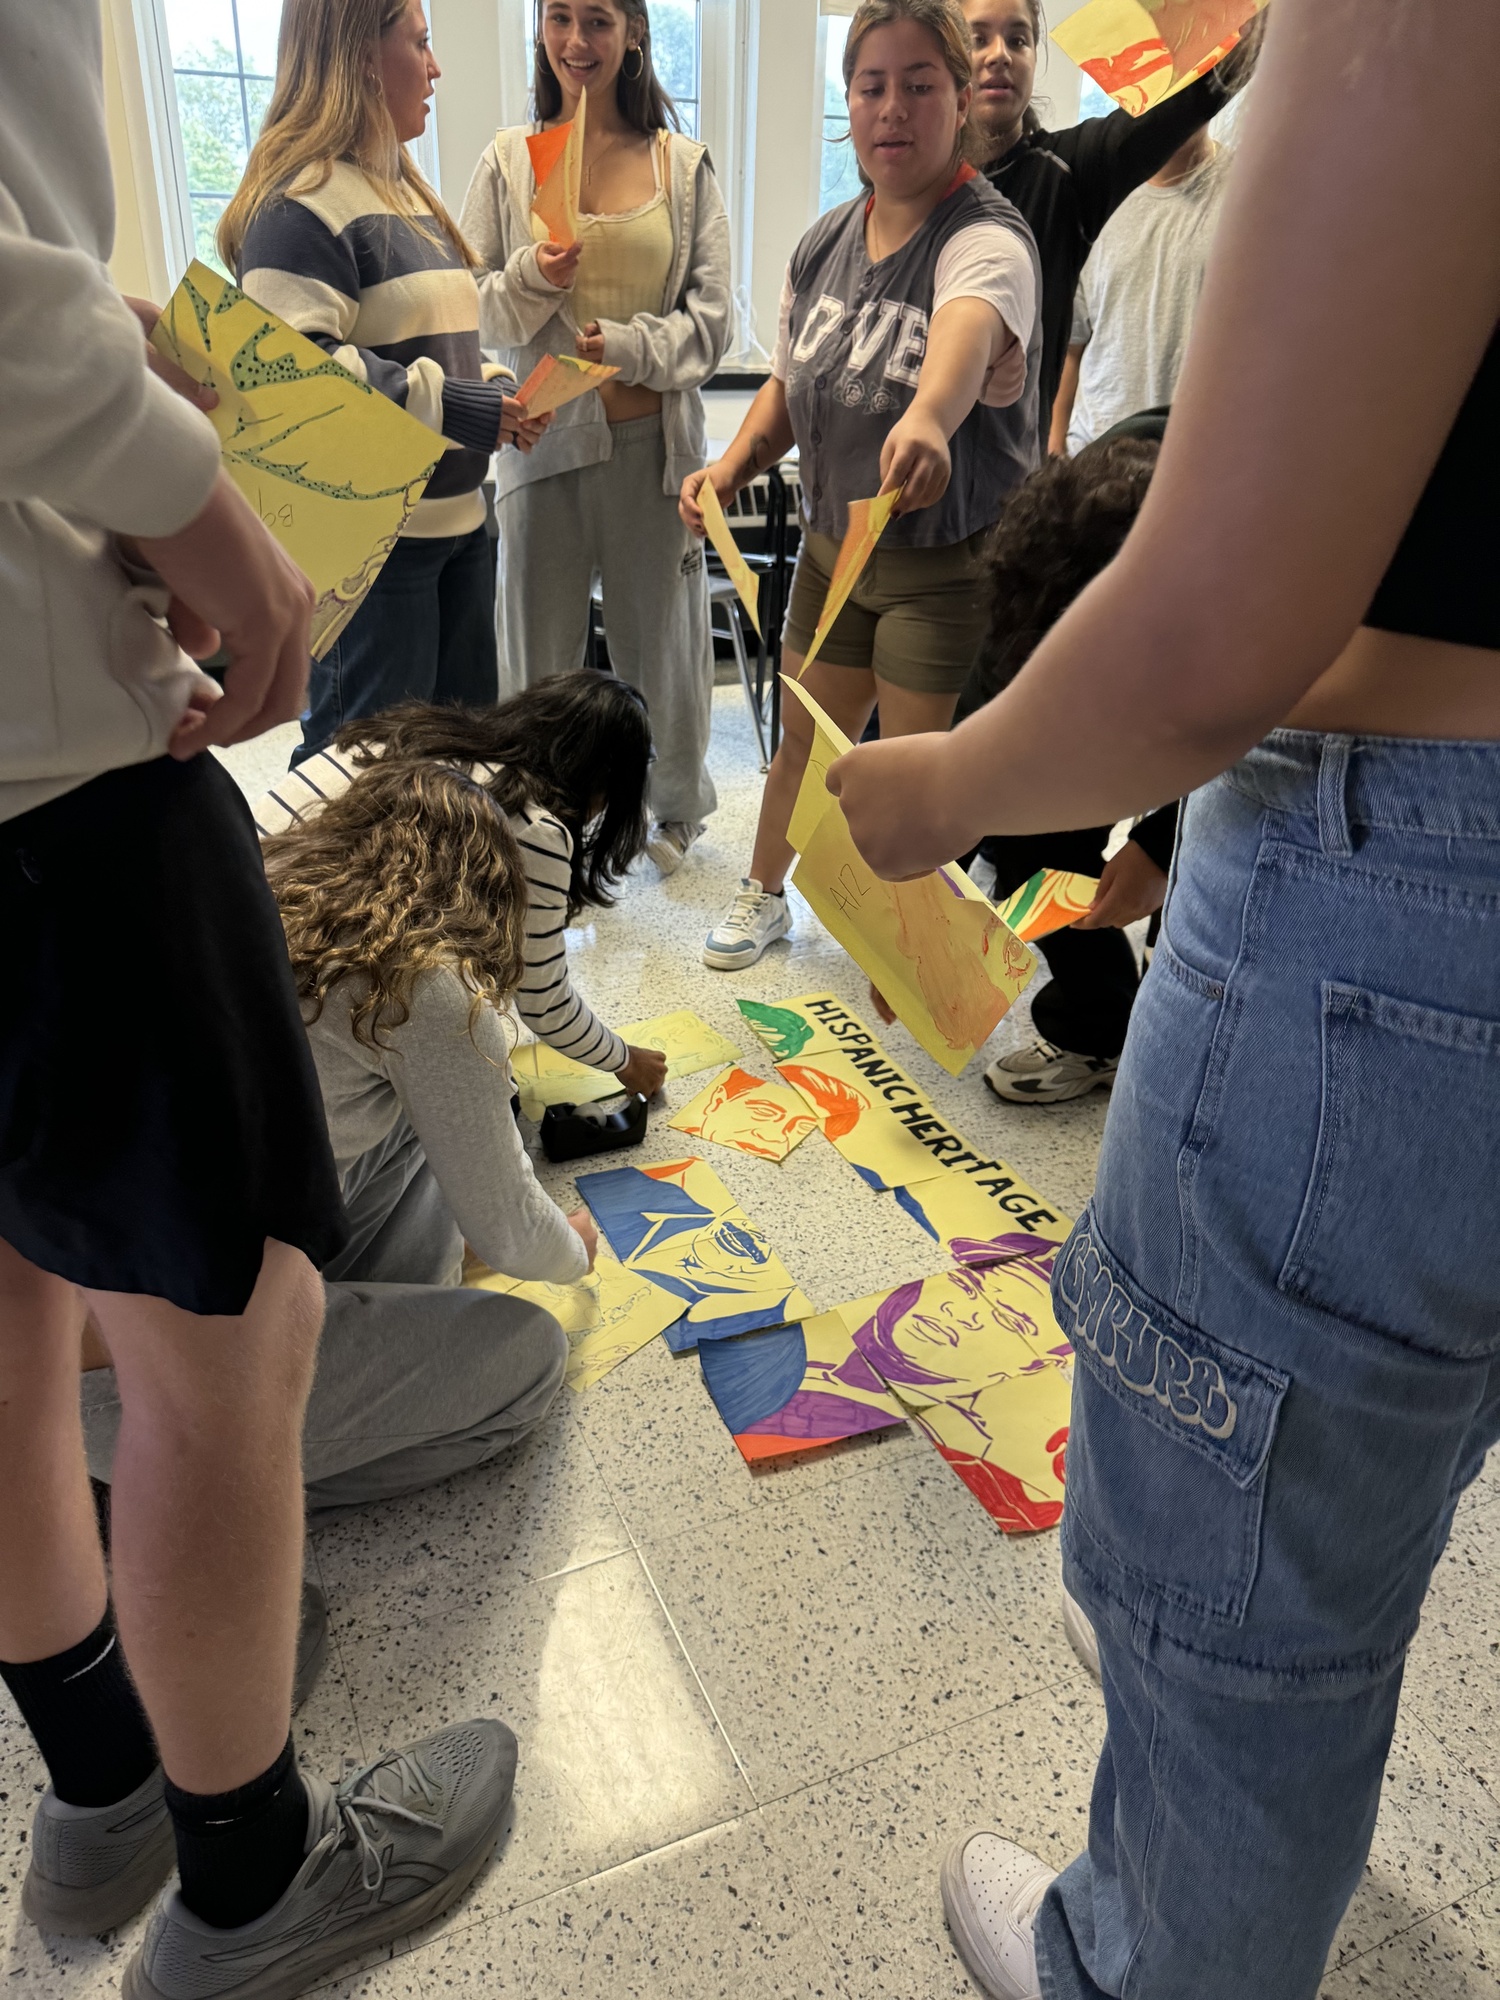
[(413, 868), (944, 21), (325, 107)]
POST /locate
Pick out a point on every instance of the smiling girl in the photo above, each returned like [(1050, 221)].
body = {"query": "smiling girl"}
[(645, 290), (334, 228), (908, 357)]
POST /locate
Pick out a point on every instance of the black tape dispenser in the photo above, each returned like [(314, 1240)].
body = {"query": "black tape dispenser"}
[(573, 1131)]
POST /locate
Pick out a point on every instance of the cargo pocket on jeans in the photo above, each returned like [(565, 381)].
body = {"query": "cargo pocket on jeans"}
[(1398, 1229), (1170, 1440)]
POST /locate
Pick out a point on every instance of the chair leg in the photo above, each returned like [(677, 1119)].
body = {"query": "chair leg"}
[(737, 640)]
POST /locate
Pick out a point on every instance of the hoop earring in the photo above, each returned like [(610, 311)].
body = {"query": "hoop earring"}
[(635, 75)]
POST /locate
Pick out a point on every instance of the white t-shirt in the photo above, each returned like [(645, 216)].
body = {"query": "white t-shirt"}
[(985, 261), (1137, 298)]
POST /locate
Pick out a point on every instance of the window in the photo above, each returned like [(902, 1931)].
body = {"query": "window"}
[(223, 65), (838, 179), (676, 50), (1093, 102)]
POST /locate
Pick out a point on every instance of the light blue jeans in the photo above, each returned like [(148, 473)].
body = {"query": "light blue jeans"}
[(1284, 1301)]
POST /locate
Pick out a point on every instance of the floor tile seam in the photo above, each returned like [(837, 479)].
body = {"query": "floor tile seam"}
[(1405, 1930), (912, 1743), (708, 1700), (1491, 1805), (626, 1548)]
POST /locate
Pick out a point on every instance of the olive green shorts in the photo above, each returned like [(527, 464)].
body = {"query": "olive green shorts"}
[(915, 618)]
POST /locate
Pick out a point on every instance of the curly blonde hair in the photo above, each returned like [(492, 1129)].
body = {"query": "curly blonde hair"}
[(413, 868)]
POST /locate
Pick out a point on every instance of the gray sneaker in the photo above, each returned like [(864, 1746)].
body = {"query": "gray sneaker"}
[(93, 1867), (670, 840), (387, 1851)]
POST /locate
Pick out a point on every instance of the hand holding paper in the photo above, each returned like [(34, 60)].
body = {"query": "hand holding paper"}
[(558, 379), (1141, 52), (740, 573)]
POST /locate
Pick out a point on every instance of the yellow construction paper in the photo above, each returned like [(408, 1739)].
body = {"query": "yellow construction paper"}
[(558, 379), (544, 1077), (867, 522), (960, 1210), (791, 1029), (1141, 52), (330, 465), (1049, 902), (856, 1120), (743, 1111), (558, 170), (740, 573), (945, 963), (608, 1315)]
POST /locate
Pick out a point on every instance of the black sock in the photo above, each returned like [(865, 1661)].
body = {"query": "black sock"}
[(238, 1851), (83, 1710)]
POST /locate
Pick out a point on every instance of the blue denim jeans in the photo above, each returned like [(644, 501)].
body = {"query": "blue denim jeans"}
[(1284, 1301), (426, 632)]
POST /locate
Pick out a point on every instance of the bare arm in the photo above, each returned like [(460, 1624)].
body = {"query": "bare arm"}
[(1364, 219), (1062, 409), (761, 440), (963, 344)]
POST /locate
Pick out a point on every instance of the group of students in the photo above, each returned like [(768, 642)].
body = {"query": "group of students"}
[(1280, 1392)]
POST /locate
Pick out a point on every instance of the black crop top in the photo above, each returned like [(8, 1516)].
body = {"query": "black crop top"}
[(1444, 581)]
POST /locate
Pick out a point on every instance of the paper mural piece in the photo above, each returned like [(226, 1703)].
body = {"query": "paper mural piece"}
[(806, 1026), (985, 1222), (983, 1366), (558, 379), (544, 1077), (855, 1119), (743, 1111), (867, 523), (945, 962), (1141, 52), (795, 1388), (730, 554), (557, 168), (608, 1315), (331, 466), (680, 1227), (1048, 902)]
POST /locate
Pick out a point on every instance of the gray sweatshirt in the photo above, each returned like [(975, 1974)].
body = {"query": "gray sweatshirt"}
[(522, 317), (455, 1090), (92, 445)]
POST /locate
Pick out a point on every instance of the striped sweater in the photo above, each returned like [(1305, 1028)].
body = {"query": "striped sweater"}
[(545, 1000), (399, 308)]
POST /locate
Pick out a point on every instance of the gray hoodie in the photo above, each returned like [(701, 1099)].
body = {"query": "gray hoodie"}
[(522, 317), (91, 445)]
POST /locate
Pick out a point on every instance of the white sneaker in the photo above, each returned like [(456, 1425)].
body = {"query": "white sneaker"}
[(756, 919), (670, 840), (992, 1890), (1081, 1634), (1046, 1074)]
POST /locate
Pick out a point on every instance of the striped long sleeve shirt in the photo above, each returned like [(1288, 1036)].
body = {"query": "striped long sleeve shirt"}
[(395, 304), (546, 1000)]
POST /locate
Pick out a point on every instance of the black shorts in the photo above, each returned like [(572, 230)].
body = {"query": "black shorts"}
[(160, 1115)]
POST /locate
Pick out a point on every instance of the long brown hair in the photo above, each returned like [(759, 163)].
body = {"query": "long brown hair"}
[(325, 108), (642, 100), (943, 20), (413, 868)]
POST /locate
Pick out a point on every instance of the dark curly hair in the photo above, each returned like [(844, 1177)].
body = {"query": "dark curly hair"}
[(578, 745), (1057, 533)]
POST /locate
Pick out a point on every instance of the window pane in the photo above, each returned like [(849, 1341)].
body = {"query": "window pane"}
[(839, 178), (1094, 102), (687, 111), (206, 215), (257, 96), (213, 132), (260, 23), (674, 46), (201, 33)]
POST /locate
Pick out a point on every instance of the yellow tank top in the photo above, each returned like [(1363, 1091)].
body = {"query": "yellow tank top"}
[(627, 258)]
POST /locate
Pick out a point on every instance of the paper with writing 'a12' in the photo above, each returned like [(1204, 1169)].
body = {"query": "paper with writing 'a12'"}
[(867, 523), (331, 466), (557, 168), (1049, 902), (558, 379), (1141, 52), (739, 571), (945, 962)]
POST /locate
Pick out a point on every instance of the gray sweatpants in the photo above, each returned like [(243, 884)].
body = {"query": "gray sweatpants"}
[(612, 522), (416, 1378)]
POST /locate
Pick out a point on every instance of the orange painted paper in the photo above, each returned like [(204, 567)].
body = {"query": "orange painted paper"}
[(740, 573), (867, 523), (557, 167), (558, 379), (1049, 902), (764, 1119), (1141, 52)]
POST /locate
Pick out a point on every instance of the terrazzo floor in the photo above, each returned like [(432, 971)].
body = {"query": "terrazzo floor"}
[(753, 1708)]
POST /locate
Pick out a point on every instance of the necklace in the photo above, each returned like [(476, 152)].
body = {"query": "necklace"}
[(589, 165)]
